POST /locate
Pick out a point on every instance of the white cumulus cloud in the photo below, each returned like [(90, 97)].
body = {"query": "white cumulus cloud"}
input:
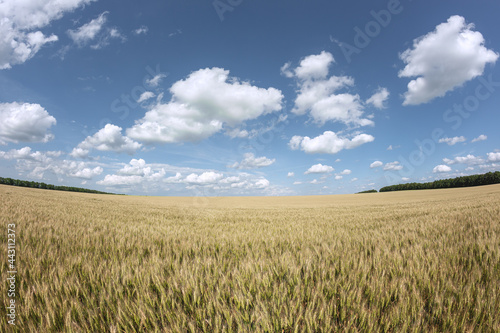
[(209, 177), (376, 164), (251, 162), (200, 106), (378, 98), (444, 59), (493, 157), (469, 159), (320, 95), (346, 172), (20, 21), (315, 66), (27, 154), (393, 166), (452, 141), (319, 168), (135, 168), (36, 164), (262, 183), (327, 143), (25, 123), (108, 138), (441, 168), (137, 172), (87, 173), (118, 180)]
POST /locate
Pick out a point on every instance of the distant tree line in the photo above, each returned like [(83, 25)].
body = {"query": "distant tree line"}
[(25, 183), (465, 181), (369, 191)]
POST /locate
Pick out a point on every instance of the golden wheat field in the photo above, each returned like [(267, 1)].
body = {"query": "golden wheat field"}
[(415, 261)]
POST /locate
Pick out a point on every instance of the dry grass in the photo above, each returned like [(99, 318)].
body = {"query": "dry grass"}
[(400, 261)]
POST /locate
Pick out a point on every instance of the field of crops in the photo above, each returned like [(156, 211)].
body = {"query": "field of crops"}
[(413, 261)]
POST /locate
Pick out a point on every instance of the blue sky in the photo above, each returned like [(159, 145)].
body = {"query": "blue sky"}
[(247, 97)]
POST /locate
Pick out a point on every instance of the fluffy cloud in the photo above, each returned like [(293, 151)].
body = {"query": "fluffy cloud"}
[(217, 181), (319, 168), (345, 108), (24, 123), (36, 163), (494, 157), (248, 184), (319, 95), (118, 180), (262, 183), (327, 143), (201, 104), (444, 59), (82, 170), (37, 14), (290, 174), (20, 38), (393, 166), (27, 154), (86, 173), (376, 164), (378, 99), (490, 167), (108, 138), (174, 179), (339, 176), (314, 66), (135, 168), (452, 141), (22, 47), (140, 176), (482, 137), (205, 178), (136, 172), (469, 159), (252, 162), (441, 168), (346, 172)]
